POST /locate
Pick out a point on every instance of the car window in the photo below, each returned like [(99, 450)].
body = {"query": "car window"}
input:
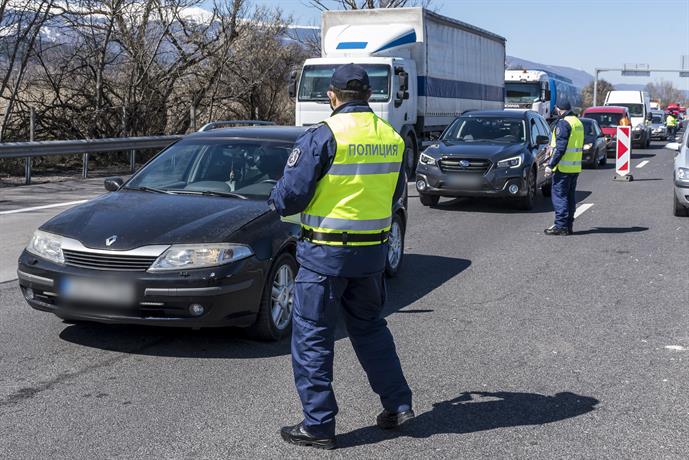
[(534, 131), (545, 129), (588, 128)]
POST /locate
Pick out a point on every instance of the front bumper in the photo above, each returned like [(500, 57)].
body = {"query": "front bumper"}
[(494, 183), (682, 193), (230, 294)]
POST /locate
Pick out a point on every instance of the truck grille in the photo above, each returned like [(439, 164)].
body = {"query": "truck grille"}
[(112, 261), (452, 165)]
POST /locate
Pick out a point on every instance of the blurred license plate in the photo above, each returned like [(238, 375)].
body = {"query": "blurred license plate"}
[(464, 180), (98, 291)]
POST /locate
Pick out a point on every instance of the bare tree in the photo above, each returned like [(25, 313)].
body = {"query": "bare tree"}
[(587, 92), (665, 92)]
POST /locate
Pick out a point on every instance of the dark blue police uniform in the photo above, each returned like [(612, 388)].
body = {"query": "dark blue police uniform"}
[(564, 184), (350, 277)]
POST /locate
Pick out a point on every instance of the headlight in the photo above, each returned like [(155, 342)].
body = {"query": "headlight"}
[(182, 256), (47, 246), (683, 174), (513, 162), (638, 127), (587, 146), (426, 159)]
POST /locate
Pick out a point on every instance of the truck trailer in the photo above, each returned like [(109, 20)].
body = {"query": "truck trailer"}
[(425, 69), (539, 91)]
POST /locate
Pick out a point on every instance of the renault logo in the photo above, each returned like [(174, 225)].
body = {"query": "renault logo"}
[(464, 163), (111, 240)]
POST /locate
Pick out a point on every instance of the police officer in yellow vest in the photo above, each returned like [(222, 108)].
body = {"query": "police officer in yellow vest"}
[(671, 124), (343, 176), (565, 165)]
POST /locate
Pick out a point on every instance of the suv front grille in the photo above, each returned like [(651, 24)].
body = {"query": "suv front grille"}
[(98, 261), (452, 165)]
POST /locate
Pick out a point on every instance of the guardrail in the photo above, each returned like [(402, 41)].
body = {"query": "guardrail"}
[(28, 150)]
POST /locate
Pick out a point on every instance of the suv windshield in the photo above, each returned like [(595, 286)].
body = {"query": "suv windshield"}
[(216, 166), (486, 129), (656, 118), (315, 81), (605, 119), (522, 92), (635, 110)]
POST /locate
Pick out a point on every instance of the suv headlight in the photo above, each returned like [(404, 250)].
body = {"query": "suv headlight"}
[(182, 256), (46, 245), (682, 174), (513, 162), (426, 159)]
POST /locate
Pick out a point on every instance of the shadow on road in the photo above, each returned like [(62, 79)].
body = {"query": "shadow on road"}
[(650, 179), (479, 411), (501, 206), (611, 230), (420, 275)]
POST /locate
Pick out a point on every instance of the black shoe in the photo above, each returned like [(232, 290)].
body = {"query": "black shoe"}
[(298, 435), (388, 420), (556, 231)]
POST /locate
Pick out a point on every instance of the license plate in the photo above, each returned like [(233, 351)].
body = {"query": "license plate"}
[(98, 291), (464, 181)]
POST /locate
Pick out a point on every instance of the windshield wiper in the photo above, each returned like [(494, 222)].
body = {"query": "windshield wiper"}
[(212, 193), (150, 189)]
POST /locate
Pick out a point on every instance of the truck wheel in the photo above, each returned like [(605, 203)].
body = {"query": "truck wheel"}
[(429, 200), (274, 319), (410, 156), (395, 247), (678, 208)]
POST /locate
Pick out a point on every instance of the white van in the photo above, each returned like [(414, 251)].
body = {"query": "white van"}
[(638, 103)]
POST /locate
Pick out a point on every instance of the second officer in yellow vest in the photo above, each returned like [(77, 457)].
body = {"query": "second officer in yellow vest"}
[(343, 177), (565, 165)]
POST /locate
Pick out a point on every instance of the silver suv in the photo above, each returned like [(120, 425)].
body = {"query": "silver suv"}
[(681, 175)]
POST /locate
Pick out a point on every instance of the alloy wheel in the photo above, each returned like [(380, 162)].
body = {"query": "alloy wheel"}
[(394, 245), (282, 297)]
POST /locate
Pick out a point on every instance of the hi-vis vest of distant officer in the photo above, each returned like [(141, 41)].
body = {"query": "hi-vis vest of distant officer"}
[(570, 162), (352, 204)]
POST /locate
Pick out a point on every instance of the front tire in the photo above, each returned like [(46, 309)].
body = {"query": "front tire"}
[(411, 155), (547, 189), (604, 158), (274, 319), (429, 200), (678, 208), (526, 202), (395, 254)]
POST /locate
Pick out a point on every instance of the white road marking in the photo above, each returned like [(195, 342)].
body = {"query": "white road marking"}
[(47, 206), (675, 347), (582, 209), (642, 164)]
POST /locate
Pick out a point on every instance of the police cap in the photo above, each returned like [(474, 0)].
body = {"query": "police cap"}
[(352, 77), (564, 105)]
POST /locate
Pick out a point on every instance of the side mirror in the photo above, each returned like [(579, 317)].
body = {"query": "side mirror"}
[(542, 140), (672, 146), (113, 184), (404, 81), (292, 85)]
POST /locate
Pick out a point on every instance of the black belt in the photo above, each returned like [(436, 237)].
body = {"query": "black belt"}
[(343, 237)]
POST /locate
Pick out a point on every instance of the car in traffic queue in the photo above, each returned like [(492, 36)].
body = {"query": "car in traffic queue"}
[(594, 153), (499, 154), (657, 126), (187, 241), (680, 196), (609, 117)]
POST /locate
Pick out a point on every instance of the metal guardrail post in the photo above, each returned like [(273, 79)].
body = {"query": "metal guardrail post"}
[(132, 160), (85, 165), (27, 160)]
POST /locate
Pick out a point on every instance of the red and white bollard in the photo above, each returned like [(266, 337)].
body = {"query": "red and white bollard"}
[(623, 163)]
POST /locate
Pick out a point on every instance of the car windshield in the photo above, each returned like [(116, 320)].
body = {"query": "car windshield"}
[(656, 118), (589, 130), (216, 166), (635, 110), (522, 92), (486, 129), (315, 81), (606, 119)]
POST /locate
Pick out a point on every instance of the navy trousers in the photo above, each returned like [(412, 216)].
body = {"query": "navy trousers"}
[(564, 198), (317, 299)]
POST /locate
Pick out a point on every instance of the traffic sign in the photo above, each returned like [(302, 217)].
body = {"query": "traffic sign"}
[(624, 153)]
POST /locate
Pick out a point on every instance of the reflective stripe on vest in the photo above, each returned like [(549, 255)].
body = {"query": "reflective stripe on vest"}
[(355, 195), (570, 162)]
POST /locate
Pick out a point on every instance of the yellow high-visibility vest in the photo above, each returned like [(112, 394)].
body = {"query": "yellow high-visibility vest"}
[(355, 195), (570, 162)]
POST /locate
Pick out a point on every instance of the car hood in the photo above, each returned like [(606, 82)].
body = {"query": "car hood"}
[(492, 152), (143, 218)]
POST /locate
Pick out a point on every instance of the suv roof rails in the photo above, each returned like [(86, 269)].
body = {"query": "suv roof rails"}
[(225, 123)]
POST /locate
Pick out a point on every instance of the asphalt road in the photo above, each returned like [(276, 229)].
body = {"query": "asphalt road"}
[(517, 345)]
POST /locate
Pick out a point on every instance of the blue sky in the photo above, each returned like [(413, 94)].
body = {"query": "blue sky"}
[(583, 34)]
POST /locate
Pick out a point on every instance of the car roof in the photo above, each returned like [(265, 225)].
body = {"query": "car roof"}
[(271, 133), (606, 108), (499, 113)]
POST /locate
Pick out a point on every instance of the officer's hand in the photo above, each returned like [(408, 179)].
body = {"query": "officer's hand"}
[(548, 171)]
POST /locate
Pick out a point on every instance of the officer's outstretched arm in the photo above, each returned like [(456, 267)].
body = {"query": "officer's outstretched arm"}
[(305, 166)]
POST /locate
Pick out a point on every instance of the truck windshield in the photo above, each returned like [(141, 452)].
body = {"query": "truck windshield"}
[(315, 80), (522, 92), (635, 110), (494, 130)]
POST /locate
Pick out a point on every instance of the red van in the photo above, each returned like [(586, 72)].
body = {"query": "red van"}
[(609, 117)]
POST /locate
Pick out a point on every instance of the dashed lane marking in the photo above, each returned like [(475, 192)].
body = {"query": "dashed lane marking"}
[(46, 206), (642, 164), (582, 209)]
